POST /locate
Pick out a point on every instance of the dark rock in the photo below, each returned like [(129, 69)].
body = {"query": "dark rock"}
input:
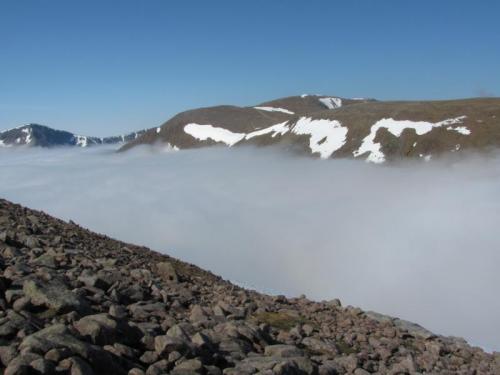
[(190, 366), (166, 344), (158, 368), (58, 336), (102, 329), (54, 295), (91, 279), (57, 355), (7, 354), (43, 366), (80, 367), (118, 311), (283, 351), (149, 357), (21, 365), (45, 260)]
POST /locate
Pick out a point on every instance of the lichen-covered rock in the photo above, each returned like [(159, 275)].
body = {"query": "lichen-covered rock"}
[(54, 295)]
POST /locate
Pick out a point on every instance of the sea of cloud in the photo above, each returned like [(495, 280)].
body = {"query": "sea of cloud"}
[(415, 240)]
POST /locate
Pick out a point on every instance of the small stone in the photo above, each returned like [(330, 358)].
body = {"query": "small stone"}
[(198, 314), (166, 344), (7, 354), (158, 368), (43, 366), (189, 366), (118, 311), (80, 367), (57, 355), (21, 304), (91, 279), (149, 357)]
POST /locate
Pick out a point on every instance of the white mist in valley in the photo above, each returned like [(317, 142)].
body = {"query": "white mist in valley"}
[(415, 240)]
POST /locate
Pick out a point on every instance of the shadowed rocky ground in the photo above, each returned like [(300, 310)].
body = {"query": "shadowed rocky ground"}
[(76, 302)]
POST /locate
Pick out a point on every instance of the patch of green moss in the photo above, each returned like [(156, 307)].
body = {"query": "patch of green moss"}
[(344, 348), (279, 320)]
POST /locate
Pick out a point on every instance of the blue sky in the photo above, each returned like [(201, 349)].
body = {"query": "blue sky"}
[(107, 67)]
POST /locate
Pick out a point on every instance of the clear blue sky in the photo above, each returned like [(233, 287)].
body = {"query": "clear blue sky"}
[(106, 67)]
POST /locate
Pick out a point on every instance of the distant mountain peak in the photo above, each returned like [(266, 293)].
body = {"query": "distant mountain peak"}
[(34, 134)]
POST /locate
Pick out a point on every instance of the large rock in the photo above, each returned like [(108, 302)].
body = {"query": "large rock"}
[(54, 295), (167, 344), (167, 271), (283, 351), (21, 364), (102, 329), (58, 336), (92, 279), (12, 323), (144, 310)]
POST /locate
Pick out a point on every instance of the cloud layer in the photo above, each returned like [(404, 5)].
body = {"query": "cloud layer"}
[(415, 240)]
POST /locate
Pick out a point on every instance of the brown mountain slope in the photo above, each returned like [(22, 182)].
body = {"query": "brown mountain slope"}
[(76, 302), (235, 119), (372, 130), (482, 121), (238, 119)]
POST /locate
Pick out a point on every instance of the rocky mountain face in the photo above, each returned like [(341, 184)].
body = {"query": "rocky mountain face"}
[(76, 302), (328, 127), (43, 136)]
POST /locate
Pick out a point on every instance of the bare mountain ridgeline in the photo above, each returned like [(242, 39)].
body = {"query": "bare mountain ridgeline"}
[(324, 126), (76, 302)]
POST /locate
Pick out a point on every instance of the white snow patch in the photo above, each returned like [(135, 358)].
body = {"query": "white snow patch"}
[(414, 144), (278, 129), (459, 129), (28, 138), (2, 143), (327, 136), (426, 157), (396, 127), (304, 95), (331, 103), (169, 147), (81, 141), (158, 130), (204, 132), (275, 109)]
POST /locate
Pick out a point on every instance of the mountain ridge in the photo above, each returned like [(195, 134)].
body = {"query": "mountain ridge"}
[(373, 130), (318, 125), (43, 136)]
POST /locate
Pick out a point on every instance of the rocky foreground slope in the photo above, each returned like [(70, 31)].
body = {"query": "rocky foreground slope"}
[(75, 302)]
